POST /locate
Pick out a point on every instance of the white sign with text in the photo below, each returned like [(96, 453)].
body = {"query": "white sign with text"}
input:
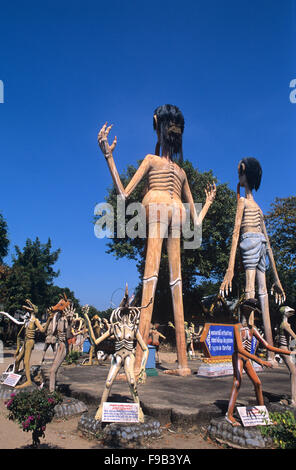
[(120, 412), (254, 415), (12, 379)]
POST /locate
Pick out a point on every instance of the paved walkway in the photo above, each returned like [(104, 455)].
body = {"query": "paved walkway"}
[(168, 398)]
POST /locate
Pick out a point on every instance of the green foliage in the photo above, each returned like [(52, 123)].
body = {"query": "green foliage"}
[(283, 431), (4, 242), (33, 411), (281, 227), (30, 276), (72, 357)]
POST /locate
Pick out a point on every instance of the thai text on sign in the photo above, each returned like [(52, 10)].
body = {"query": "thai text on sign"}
[(120, 412)]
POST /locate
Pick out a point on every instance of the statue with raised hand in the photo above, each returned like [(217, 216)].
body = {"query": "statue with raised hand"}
[(167, 187)]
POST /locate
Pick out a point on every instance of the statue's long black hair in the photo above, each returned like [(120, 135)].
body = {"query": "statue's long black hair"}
[(253, 172), (169, 124)]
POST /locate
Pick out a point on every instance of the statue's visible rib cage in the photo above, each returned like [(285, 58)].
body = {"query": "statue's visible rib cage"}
[(252, 220), (169, 179)]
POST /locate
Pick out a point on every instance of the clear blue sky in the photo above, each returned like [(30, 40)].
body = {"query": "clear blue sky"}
[(68, 66)]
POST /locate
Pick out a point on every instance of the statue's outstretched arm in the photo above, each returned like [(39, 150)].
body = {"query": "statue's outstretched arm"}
[(210, 196), (107, 152), (267, 345), (12, 318), (45, 325), (94, 340), (227, 282), (276, 288)]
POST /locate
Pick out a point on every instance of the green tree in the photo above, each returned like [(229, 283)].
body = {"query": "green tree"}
[(207, 262), (30, 276), (281, 227), (4, 241)]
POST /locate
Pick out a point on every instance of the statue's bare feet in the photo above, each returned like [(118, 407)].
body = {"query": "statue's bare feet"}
[(25, 384), (99, 414), (183, 372), (231, 420)]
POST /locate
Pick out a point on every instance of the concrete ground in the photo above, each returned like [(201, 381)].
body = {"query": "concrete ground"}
[(177, 402)]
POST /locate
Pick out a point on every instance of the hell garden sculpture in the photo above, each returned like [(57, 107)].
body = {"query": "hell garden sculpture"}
[(124, 327), (50, 338), (64, 313), (242, 356), (250, 232), (285, 334), (167, 186), (153, 339), (31, 324)]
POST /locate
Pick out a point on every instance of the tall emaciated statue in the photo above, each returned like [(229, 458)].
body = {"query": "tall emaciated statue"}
[(251, 235), (168, 187)]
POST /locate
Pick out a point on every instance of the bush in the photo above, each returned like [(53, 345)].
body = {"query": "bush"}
[(72, 357), (282, 431), (33, 411)]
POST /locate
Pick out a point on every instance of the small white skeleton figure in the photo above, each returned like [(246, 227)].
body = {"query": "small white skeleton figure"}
[(124, 327), (285, 335)]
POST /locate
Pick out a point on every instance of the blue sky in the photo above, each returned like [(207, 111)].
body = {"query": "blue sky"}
[(69, 66)]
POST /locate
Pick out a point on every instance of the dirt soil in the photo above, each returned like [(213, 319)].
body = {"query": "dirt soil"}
[(63, 434)]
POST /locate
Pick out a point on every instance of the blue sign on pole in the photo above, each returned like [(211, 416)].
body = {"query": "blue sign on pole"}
[(220, 340)]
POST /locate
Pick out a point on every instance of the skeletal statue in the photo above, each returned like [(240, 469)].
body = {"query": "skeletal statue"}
[(165, 213), (64, 313), (242, 355), (31, 324), (24, 322), (124, 326), (285, 334), (251, 235)]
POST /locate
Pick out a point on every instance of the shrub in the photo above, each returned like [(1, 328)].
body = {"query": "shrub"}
[(33, 411), (72, 357), (282, 431)]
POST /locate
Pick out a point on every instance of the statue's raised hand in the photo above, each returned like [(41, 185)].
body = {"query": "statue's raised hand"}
[(210, 193), (103, 141), (278, 292), (226, 285)]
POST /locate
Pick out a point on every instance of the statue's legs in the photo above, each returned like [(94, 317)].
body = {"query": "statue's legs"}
[(251, 275), (129, 365), (250, 283), (58, 359), (29, 344), (19, 358), (174, 257), (264, 304), (237, 379), (292, 369), (46, 346), (256, 382), (157, 231), (116, 363)]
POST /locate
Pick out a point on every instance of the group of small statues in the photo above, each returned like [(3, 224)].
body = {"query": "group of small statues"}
[(62, 325)]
